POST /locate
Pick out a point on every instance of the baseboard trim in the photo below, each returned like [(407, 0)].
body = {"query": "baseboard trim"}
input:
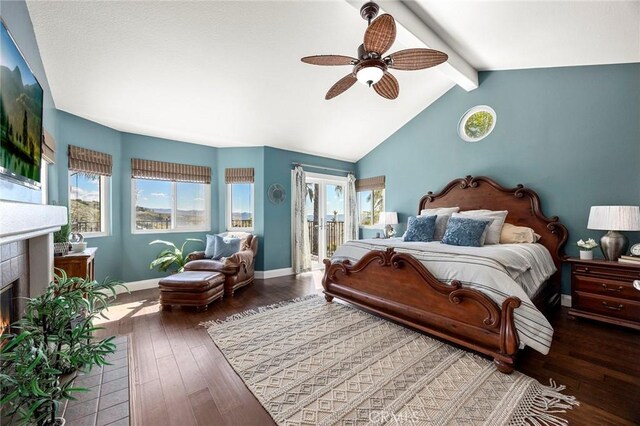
[(565, 300), (139, 285), (273, 273)]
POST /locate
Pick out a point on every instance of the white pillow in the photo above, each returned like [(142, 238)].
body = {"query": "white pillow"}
[(443, 213), (495, 227)]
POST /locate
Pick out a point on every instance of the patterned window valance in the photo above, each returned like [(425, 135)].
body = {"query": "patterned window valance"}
[(369, 184), (160, 170), (48, 148), (89, 161), (238, 175)]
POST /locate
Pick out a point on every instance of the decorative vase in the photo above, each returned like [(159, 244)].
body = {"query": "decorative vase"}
[(586, 254)]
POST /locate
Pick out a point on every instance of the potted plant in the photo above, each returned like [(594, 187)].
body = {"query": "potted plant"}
[(172, 257), (54, 340), (61, 240), (586, 248)]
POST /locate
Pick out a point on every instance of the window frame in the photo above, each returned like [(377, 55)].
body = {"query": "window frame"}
[(105, 206), (229, 206), (44, 181), (384, 200), (174, 210)]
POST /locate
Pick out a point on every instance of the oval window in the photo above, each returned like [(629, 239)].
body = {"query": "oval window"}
[(477, 123)]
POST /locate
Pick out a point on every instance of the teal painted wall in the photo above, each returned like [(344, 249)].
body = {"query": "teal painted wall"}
[(126, 256), (77, 131), (136, 253), (277, 218), (16, 17), (243, 157), (572, 134)]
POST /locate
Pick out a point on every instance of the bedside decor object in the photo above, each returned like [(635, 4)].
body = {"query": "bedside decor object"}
[(61, 241), (586, 248), (477, 123), (276, 193), (76, 237), (635, 250), (78, 247), (388, 219), (614, 219)]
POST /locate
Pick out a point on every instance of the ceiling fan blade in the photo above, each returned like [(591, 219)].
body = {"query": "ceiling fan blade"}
[(416, 59), (387, 87), (343, 84), (329, 60), (380, 35)]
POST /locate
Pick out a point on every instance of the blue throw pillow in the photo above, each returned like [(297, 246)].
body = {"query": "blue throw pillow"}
[(224, 246), (210, 248), (420, 228), (465, 232)]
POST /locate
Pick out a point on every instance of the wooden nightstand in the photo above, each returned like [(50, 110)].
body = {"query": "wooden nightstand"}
[(78, 264), (604, 291)]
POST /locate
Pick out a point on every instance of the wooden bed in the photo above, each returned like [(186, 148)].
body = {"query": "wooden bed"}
[(399, 287)]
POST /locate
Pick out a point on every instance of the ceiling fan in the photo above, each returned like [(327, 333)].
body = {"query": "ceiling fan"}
[(371, 67)]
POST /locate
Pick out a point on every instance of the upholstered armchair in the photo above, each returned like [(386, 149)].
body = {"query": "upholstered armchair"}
[(238, 269)]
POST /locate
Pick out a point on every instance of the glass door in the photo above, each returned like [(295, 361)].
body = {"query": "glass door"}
[(325, 212)]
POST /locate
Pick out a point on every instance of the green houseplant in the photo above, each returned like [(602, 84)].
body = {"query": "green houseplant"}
[(172, 257), (52, 341)]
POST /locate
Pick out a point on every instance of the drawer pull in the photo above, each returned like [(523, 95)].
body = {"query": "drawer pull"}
[(613, 308), (613, 290)]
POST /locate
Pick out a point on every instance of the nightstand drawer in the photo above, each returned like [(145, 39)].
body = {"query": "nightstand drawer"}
[(609, 306), (606, 287), (609, 271)]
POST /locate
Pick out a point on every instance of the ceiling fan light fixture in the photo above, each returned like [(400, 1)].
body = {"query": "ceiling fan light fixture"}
[(369, 75)]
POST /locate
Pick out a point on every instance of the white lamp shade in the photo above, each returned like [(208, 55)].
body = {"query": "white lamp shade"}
[(388, 218), (614, 218)]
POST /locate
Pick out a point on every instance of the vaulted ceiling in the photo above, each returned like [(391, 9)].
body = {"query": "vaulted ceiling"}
[(229, 73)]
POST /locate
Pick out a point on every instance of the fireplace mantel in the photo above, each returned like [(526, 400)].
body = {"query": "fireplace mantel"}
[(23, 221), (29, 226)]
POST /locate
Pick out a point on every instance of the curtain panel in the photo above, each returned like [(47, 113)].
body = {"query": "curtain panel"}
[(89, 161), (369, 184), (160, 170), (301, 249), (239, 175), (352, 208)]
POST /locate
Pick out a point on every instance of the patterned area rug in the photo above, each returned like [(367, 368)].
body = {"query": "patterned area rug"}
[(316, 363)]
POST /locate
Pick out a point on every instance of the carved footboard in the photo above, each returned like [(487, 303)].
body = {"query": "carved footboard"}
[(397, 286)]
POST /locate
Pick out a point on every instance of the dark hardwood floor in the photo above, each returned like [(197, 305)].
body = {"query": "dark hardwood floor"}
[(180, 377)]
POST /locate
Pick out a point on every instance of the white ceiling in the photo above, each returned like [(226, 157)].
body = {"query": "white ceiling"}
[(229, 73), (499, 35), (223, 73)]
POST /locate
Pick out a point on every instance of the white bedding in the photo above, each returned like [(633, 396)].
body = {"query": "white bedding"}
[(499, 271)]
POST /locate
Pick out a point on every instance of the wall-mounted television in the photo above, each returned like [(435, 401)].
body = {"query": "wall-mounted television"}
[(21, 100)]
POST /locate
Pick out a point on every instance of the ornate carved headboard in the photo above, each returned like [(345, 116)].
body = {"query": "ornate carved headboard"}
[(523, 204)]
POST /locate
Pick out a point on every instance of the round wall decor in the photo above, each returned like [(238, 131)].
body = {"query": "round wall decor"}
[(477, 123), (276, 193)]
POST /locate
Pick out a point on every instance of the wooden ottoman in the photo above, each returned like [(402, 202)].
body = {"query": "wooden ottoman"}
[(191, 288)]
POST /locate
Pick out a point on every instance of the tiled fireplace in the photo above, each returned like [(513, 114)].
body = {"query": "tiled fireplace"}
[(26, 253)]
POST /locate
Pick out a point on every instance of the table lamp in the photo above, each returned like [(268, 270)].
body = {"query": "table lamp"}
[(614, 219), (388, 219)]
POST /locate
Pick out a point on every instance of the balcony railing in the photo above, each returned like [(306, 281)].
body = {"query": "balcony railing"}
[(85, 226), (154, 224), (242, 223), (334, 236)]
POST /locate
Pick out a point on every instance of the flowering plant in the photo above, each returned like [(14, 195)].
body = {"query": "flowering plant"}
[(590, 244)]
